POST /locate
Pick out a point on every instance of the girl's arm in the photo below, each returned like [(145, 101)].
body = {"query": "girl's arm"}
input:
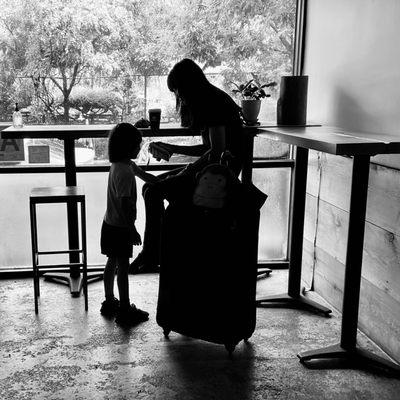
[(143, 175), (130, 217), (212, 155), (217, 145), (165, 150), (218, 142), (196, 150)]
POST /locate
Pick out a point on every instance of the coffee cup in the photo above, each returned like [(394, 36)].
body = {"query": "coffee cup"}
[(154, 118)]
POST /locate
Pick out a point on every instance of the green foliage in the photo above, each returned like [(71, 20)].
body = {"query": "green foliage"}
[(252, 89), (57, 43), (96, 101), (6, 81)]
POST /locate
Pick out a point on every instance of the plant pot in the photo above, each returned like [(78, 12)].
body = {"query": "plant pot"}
[(250, 110)]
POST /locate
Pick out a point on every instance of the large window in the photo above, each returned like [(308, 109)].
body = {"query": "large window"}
[(103, 61)]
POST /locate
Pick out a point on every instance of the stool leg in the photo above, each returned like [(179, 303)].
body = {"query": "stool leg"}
[(36, 289), (84, 253)]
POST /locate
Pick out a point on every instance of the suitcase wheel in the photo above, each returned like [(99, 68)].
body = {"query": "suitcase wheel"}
[(166, 332), (230, 347)]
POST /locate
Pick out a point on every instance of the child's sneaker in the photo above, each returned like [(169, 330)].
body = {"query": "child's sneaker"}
[(131, 315), (109, 307)]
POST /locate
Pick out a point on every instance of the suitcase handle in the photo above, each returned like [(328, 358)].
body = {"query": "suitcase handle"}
[(226, 158)]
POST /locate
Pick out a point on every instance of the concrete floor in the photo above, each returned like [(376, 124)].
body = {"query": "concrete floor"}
[(65, 353)]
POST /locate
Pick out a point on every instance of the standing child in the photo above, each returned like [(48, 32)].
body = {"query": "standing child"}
[(118, 232)]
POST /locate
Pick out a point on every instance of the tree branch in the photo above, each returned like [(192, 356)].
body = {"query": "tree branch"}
[(73, 80), (284, 41), (56, 83)]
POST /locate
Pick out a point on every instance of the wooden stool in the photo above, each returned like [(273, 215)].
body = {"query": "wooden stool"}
[(57, 194)]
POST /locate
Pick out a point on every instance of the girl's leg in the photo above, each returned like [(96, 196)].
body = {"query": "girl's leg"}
[(122, 281), (128, 314), (108, 277), (154, 207), (153, 195)]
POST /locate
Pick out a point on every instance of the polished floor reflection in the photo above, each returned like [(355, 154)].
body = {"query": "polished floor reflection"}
[(65, 353)]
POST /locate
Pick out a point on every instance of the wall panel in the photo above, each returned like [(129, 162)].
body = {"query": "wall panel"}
[(352, 58), (325, 241)]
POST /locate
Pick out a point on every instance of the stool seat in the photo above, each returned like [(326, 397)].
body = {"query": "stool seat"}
[(71, 195), (56, 194)]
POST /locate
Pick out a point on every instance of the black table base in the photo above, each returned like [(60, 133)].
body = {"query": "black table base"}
[(347, 348), (75, 283), (293, 298), (299, 302), (353, 356)]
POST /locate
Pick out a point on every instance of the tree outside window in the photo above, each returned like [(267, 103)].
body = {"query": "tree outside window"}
[(64, 60)]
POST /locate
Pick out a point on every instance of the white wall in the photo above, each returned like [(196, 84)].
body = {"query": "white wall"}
[(352, 56)]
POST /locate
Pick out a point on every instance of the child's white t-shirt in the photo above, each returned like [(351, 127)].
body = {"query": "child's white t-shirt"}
[(121, 183)]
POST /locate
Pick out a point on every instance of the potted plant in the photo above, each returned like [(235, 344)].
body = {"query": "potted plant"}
[(251, 92)]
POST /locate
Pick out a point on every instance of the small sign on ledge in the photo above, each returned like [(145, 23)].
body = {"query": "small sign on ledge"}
[(39, 154), (12, 150)]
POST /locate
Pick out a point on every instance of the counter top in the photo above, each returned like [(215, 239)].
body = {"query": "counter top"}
[(333, 140)]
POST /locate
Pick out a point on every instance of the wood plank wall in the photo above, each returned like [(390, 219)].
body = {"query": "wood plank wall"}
[(325, 239)]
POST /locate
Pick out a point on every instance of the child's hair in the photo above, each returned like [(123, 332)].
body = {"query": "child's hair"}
[(122, 139)]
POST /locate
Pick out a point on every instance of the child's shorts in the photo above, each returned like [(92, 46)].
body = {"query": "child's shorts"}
[(114, 241)]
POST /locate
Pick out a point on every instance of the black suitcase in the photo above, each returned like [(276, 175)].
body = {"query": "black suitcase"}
[(208, 269)]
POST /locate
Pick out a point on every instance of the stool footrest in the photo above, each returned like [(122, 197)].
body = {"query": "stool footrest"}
[(75, 256), (39, 253), (67, 265)]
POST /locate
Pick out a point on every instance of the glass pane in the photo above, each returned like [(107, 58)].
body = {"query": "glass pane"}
[(159, 96), (275, 182), (88, 151), (45, 152), (95, 185), (109, 61), (50, 152), (146, 158), (15, 243), (266, 149)]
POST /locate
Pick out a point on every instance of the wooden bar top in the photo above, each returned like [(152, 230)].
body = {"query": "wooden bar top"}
[(84, 131), (98, 131), (327, 139), (333, 140)]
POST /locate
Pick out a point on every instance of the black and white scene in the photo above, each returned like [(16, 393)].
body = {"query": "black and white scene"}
[(199, 200)]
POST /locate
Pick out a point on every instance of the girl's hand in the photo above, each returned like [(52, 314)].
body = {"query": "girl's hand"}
[(155, 179), (160, 150), (135, 238)]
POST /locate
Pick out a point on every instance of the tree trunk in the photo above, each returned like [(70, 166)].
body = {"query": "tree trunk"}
[(66, 110), (145, 96)]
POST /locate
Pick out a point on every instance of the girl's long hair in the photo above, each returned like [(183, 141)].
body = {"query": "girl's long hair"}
[(192, 90)]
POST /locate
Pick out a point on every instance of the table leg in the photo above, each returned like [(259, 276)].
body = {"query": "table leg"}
[(347, 349), (73, 279), (248, 150), (247, 173), (294, 299)]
